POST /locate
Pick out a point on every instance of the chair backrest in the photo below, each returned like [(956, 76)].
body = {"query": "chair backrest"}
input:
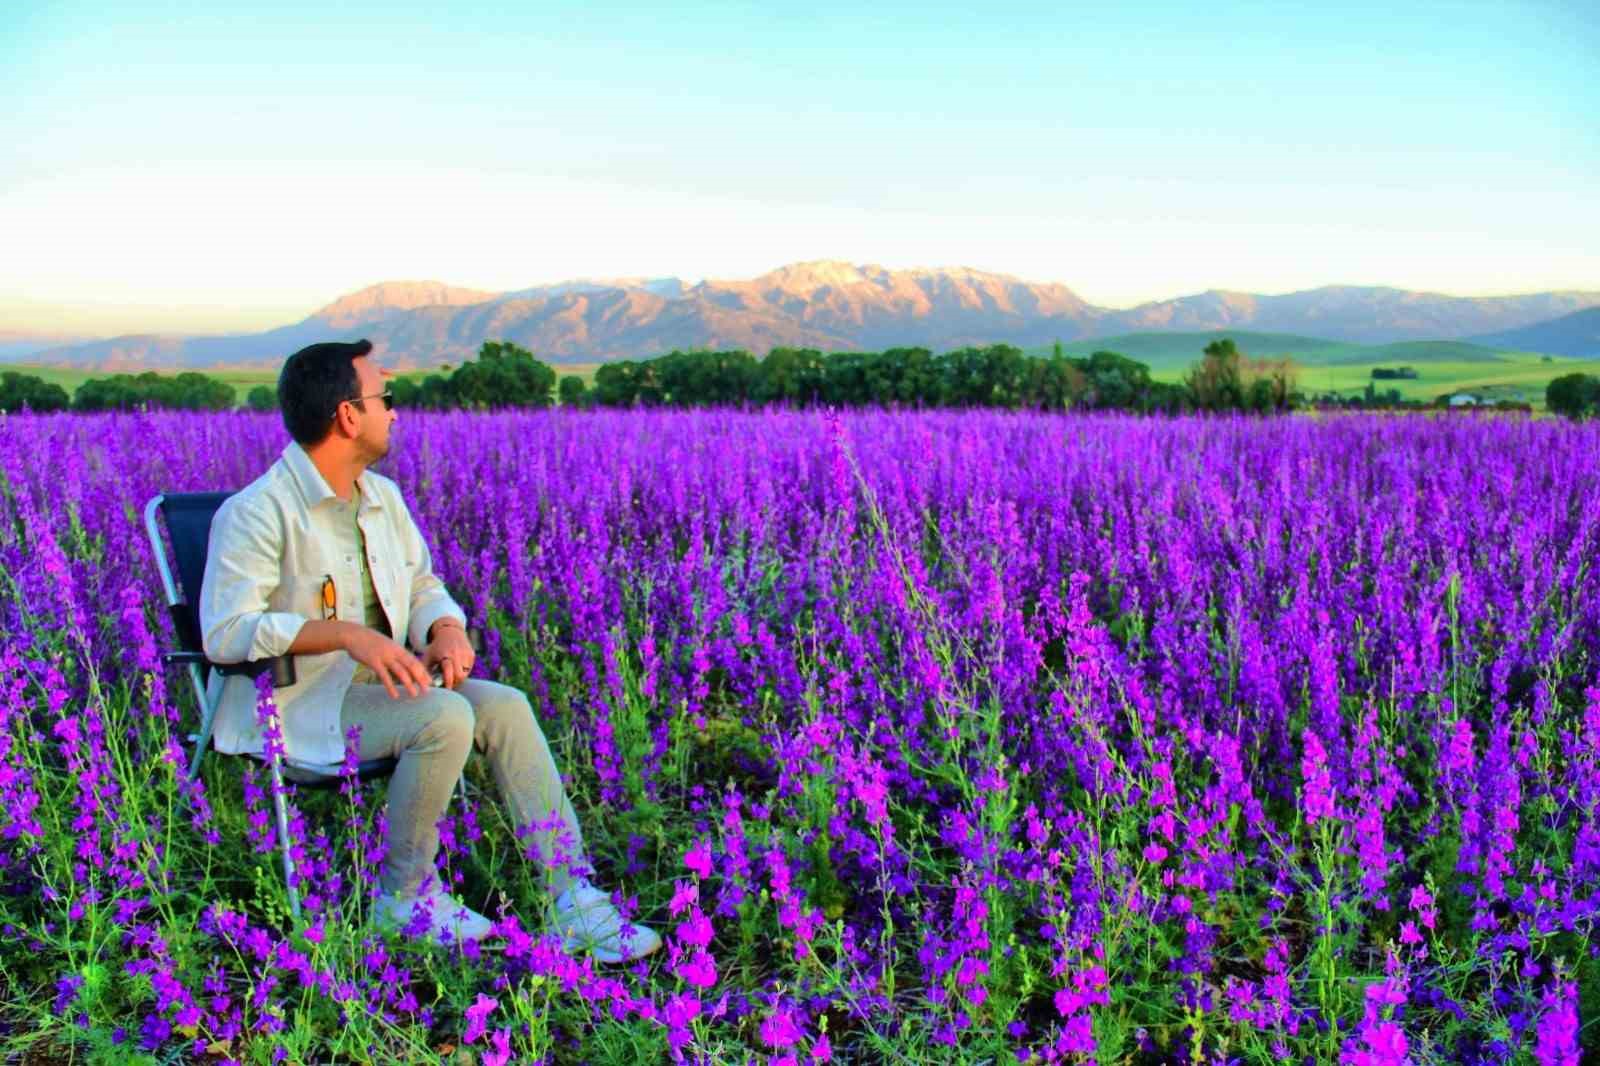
[(188, 516)]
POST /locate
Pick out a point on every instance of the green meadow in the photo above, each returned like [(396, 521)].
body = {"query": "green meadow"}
[(1326, 366), (1519, 376)]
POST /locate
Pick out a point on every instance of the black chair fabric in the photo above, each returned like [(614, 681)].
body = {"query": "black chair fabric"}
[(188, 517)]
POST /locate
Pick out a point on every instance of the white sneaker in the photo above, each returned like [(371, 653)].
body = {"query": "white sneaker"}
[(587, 921), (449, 921)]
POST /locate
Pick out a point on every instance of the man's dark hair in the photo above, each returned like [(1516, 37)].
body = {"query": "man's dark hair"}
[(314, 382)]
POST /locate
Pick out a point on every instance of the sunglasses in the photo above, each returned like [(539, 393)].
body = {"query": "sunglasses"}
[(386, 396)]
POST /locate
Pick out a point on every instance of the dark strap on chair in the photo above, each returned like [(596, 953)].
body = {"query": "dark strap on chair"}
[(188, 517), (366, 770)]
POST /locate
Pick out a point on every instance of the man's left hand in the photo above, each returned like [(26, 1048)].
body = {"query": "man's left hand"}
[(450, 653)]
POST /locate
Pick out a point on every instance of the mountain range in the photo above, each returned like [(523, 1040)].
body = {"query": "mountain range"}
[(824, 304), (1577, 334)]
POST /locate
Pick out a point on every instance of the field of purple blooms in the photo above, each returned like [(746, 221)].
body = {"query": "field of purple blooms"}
[(923, 738)]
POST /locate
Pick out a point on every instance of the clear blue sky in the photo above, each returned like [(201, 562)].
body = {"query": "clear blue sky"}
[(174, 166)]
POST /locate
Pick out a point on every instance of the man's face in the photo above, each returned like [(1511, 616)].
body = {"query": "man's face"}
[(372, 421)]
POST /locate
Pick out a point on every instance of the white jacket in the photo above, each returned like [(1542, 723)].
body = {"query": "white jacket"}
[(272, 547)]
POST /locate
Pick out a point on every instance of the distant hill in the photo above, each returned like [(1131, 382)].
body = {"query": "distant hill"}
[(20, 343), (1418, 353), (389, 298), (347, 316), (824, 304), (1362, 315), (1577, 334)]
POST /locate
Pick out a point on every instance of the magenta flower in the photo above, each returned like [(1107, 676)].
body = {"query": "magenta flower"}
[(499, 1051), (699, 970), (1316, 797), (698, 859), (778, 1029), (1557, 1041), (477, 1017)]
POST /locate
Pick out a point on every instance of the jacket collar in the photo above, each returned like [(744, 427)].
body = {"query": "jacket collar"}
[(314, 488)]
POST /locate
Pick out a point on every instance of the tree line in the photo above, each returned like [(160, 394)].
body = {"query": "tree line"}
[(999, 375), (506, 375), (189, 391)]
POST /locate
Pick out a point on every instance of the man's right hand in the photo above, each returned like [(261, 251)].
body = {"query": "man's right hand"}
[(387, 659)]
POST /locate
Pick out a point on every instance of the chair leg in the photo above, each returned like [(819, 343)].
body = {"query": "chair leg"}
[(208, 720), (281, 806)]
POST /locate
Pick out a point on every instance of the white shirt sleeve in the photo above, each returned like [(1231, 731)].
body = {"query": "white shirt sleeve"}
[(243, 569)]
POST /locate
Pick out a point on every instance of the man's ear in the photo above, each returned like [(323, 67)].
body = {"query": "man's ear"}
[(344, 420)]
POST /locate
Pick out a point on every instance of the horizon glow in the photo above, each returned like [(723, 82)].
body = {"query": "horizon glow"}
[(237, 170)]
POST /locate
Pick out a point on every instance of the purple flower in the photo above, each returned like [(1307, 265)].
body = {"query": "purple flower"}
[(499, 1052), (1557, 1041), (778, 1029), (698, 859), (699, 970), (1316, 797), (477, 1017)]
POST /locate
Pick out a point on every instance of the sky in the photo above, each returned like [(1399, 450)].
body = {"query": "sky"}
[(234, 166)]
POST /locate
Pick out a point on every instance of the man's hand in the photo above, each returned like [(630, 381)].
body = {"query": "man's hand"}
[(451, 653), (392, 663)]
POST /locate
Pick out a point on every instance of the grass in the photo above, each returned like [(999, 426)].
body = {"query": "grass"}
[(1167, 352), (1521, 377), (1175, 351)]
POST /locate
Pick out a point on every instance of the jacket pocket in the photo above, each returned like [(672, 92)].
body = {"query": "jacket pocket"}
[(301, 594)]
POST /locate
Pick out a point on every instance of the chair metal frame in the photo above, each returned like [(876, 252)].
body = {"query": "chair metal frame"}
[(191, 655)]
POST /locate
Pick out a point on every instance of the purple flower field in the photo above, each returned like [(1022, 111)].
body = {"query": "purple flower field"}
[(922, 738)]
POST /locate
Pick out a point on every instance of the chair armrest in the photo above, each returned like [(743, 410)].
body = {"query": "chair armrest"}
[(282, 667)]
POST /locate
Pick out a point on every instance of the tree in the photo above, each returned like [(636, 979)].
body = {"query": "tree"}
[(1574, 395), (191, 391), (705, 378), (1269, 384), (572, 392), (626, 383), (966, 378), (407, 393), (1115, 382), (789, 376), (262, 398), (25, 392), (1058, 383), (1215, 383), (844, 380), (105, 394), (435, 393), (504, 375)]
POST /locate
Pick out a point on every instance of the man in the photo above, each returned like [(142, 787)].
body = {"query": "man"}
[(319, 558)]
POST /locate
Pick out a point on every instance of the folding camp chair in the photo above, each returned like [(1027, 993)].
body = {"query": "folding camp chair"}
[(188, 518)]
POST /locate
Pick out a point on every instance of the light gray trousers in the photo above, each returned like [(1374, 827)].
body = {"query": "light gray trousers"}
[(432, 735)]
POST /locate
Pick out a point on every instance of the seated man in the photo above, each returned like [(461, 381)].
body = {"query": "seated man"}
[(319, 558)]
